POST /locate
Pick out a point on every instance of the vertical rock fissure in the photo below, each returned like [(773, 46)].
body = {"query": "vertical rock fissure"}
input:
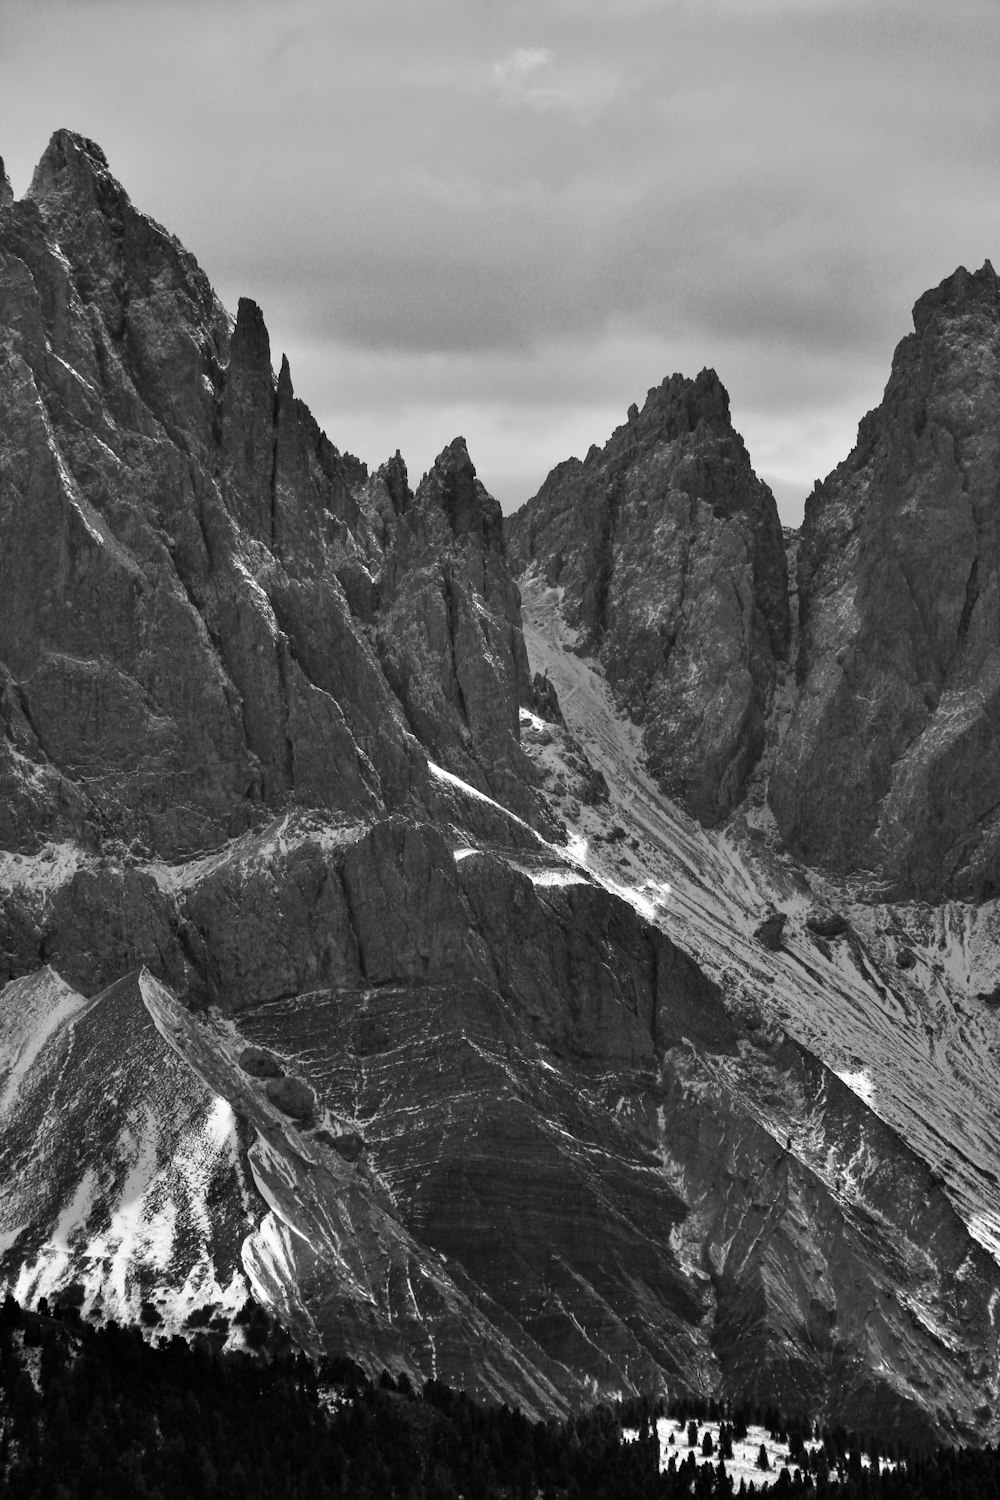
[(450, 606), (654, 1010), (273, 482), (605, 566), (352, 921), (971, 597)]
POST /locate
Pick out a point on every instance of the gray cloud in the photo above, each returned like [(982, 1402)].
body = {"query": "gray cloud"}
[(519, 216)]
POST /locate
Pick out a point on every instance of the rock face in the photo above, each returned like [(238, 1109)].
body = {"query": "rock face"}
[(197, 606), (889, 762), (669, 555), (449, 624), (912, 1052), (307, 989), (110, 1152), (167, 674)]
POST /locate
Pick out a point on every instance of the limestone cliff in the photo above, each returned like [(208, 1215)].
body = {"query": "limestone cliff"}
[(191, 587), (449, 625), (889, 763), (669, 555)]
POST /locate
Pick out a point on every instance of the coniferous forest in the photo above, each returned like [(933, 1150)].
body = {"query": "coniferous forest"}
[(99, 1413)]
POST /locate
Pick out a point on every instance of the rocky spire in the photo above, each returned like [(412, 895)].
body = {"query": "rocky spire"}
[(452, 486), (71, 158), (891, 759), (669, 553)]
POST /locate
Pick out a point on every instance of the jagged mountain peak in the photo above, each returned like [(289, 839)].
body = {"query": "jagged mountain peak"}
[(286, 390), (201, 513), (394, 476), (6, 191), (71, 160), (121, 261), (669, 555), (677, 405), (250, 339), (451, 485), (887, 764), (672, 410), (960, 291)]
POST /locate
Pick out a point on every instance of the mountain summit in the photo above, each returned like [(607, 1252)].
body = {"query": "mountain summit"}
[(889, 763), (669, 555), (417, 953)]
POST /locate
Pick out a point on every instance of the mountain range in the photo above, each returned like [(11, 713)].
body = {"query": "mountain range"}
[(556, 955)]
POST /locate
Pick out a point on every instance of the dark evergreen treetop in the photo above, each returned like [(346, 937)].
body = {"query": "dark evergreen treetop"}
[(94, 1413)]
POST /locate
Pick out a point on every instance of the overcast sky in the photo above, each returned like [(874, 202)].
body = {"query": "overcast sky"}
[(509, 218)]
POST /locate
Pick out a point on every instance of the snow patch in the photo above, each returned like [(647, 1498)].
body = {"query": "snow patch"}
[(743, 1464), (48, 1272), (860, 1084), (985, 1230), (543, 878), (279, 837), (51, 867), (10, 1237), (471, 791), (220, 1126), (51, 1002)]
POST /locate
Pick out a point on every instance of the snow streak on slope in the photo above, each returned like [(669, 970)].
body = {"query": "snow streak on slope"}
[(120, 1170), (919, 1045), (256, 848), (330, 1255), (51, 867), (34, 1010)]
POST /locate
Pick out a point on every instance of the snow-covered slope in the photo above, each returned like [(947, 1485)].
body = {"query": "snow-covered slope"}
[(121, 1171)]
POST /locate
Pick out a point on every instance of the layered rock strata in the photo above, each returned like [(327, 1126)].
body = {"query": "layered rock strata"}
[(542, 1170)]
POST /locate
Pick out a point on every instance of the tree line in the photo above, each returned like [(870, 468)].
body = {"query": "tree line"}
[(99, 1413)]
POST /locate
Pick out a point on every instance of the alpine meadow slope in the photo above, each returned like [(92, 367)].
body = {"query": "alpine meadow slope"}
[(421, 954)]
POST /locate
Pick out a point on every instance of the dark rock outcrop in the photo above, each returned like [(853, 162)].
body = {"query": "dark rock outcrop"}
[(544, 699), (293, 1097), (260, 1063), (769, 932), (209, 611), (449, 627), (827, 924), (669, 555), (348, 1144), (889, 761)]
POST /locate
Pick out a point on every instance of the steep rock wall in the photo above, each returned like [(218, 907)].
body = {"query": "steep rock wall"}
[(889, 760), (669, 555)]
